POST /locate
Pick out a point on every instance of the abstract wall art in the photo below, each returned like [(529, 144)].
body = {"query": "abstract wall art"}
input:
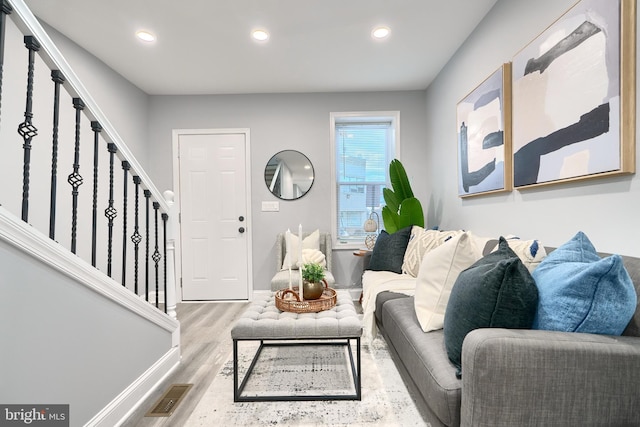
[(484, 136), (574, 97)]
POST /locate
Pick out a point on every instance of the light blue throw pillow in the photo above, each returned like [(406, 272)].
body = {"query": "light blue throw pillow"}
[(580, 292)]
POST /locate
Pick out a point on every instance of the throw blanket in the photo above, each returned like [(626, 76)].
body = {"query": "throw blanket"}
[(374, 282)]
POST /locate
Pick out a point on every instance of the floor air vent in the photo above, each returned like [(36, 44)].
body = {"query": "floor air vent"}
[(165, 406)]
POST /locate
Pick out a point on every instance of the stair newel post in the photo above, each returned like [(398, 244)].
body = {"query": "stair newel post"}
[(165, 217), (75, 179), (26, 129), (136, 238), (170, 257), (156, 253), (58, 79), (95, 126), (125, 168), (147, 195), (5, 10), (110, 212)]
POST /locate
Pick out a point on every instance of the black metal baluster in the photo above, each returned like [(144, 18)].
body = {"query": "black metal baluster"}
[(165, 217), (4, 11), (156, 254), (110, 212), (125, 167), (136, 238), (147, 195), (95, 126), (26, 129), (75, 179), (58, 79)]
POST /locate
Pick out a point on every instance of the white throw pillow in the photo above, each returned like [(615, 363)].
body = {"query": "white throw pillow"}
[(315, 256), (312, 241), (439, 270), (530, 252), (422, 241)]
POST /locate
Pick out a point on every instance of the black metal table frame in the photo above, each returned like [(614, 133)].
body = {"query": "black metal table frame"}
[(341, 341)]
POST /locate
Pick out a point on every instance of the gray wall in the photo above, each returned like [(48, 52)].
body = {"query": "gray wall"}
[(66, 343), (605, 209), (124, 105), (286, 121), (602, 208)]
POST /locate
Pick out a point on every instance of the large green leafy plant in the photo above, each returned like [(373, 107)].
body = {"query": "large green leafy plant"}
[(402, 208)]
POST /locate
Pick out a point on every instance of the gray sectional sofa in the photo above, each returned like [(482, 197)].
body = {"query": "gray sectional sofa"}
[(518, 377)]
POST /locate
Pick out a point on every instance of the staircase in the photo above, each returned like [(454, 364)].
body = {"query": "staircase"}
[(87, 286)]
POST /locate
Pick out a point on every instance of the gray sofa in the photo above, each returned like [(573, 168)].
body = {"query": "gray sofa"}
[(518, 377)]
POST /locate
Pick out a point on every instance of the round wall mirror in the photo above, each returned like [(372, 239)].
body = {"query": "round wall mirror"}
[(289, 175)]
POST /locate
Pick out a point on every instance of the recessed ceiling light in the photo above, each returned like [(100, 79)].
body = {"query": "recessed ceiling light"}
[(260, 35), (380, 32), (146, 36)]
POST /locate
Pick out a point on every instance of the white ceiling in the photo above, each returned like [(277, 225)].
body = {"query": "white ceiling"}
[(204, 46)]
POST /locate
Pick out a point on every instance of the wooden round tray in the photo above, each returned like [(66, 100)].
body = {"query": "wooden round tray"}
[(289, 300)]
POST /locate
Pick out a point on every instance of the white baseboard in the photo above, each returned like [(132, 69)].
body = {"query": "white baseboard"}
[(116, 412)]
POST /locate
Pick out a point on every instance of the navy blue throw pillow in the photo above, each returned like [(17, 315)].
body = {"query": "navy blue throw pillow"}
[(495, 292), (388, 252)]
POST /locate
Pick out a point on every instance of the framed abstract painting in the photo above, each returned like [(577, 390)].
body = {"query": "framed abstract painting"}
[(484, 136), (574, 97)]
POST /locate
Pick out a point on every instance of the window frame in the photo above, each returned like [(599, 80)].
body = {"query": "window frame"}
[(393, 151)]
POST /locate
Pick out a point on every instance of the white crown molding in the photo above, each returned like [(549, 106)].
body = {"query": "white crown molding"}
[(26, 239)]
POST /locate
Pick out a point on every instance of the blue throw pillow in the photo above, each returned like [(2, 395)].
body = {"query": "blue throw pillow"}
[(388, 252), (581, 292), (495, 292)]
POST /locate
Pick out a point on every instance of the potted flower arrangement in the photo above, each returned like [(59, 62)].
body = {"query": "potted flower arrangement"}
[(313, 280)]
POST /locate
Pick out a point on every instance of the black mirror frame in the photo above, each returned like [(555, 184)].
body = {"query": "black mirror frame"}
[(277, 156)]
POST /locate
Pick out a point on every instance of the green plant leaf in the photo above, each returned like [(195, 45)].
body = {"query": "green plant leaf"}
[(402, 208), (390, 220), (313, 272), (391, 199), (410, 213), (399, 180)]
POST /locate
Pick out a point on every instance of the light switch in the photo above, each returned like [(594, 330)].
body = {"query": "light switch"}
[(271, 206)]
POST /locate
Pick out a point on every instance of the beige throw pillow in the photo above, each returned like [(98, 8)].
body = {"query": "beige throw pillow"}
[(313, 256), (530, 252), (422, 241), (439, 270), (312, 241)]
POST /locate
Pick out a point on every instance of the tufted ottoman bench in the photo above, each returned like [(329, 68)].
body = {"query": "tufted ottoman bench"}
[(264, 322)]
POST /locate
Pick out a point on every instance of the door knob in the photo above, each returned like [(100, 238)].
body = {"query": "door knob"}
[(241, 229)]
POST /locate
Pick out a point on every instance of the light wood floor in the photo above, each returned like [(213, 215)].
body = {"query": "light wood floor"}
[(206, 344)]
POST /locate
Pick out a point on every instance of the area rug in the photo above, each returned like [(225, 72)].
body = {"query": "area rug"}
[(385, 399), (313, 369)]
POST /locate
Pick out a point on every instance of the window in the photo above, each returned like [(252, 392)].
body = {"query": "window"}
[(363, 145)]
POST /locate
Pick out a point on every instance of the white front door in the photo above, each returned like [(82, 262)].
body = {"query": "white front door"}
[(214, 215)]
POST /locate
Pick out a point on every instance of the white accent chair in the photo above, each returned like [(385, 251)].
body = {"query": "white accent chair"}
[(281, 278)]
